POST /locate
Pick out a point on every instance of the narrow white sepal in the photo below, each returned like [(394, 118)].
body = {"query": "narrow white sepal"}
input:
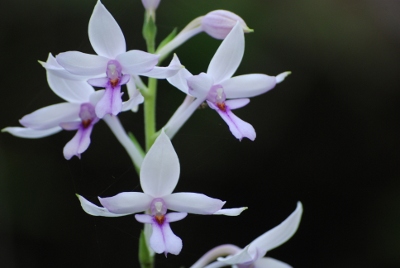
[(29, 133), (160, 169), (230, 211), (94, 210)]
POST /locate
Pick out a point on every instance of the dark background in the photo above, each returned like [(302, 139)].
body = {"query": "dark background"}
[(327, 136)]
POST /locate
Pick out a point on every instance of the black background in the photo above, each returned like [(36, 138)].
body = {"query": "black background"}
[(328, 136)]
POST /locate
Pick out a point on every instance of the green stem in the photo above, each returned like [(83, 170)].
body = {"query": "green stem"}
[(146, 259), (150, 31), (150, 113)]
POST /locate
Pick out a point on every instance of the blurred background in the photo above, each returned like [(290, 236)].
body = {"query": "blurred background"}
[(328, 136)]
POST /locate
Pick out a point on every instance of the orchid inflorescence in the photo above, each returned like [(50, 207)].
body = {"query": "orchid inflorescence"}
[(73, 76)]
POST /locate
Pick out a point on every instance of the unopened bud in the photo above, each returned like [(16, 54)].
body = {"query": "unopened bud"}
[(150, 4), (219, 23)]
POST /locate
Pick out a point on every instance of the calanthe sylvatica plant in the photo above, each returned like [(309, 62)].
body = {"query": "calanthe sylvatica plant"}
[(92, 87)]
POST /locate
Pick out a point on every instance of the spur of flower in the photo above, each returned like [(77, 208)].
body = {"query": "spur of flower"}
[(159, 176), (78, 113), (252, 256), (220, 90), (113, 66)]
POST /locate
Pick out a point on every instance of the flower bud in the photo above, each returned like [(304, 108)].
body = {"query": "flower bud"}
[(150, 4), (219, 23)]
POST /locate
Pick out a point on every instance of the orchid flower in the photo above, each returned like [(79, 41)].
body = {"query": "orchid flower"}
[(113, 65), (75, 114), (159, 176), (253, 254), (223, 92)]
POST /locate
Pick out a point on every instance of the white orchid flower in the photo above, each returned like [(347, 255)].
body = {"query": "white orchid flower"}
[(220, 90), (159, 176)]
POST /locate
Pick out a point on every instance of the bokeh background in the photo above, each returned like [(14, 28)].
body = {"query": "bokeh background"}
[(328, 136)]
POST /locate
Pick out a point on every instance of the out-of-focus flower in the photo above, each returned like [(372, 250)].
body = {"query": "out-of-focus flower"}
[(252, 256), (217, 86), (159, 176)]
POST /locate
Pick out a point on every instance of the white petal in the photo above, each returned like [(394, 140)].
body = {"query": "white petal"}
[(160, 169), (74, 125), (180, 80), (83, 64), (94, 210), (98, 82), (135, 98), (200, 85), (230, 211), (280, 234), (128, 202), (96, 96), (193, 203), (105, 35), (236, 104), (137, 62), (239, 258), (52, 66), (175, 216), (249, 85), (144, 218), (29, 133), (164, 72), (270, 263), (74, 91), (51, 116), (228, 56)]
